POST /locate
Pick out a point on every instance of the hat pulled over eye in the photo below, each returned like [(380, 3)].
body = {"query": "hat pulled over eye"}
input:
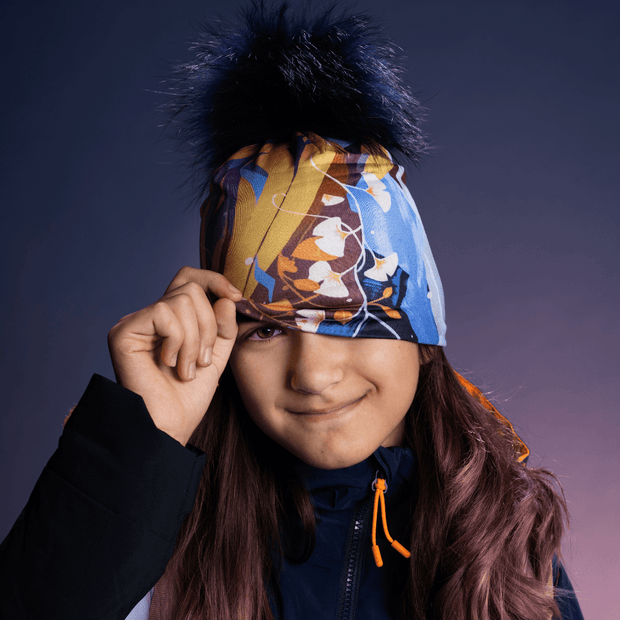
[(323, 236)]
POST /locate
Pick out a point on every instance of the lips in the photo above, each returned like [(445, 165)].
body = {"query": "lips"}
[(328, 410)]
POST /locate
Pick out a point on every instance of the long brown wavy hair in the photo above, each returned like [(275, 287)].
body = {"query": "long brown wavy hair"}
[(483, 529)]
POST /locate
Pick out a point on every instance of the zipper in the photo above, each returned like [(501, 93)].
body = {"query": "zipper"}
[(354, 558)]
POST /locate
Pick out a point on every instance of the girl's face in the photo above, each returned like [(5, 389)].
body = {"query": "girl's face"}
[(329, 400)]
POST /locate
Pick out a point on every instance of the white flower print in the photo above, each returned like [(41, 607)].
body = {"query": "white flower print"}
[(331, 282), (329, 200), (378, 191), (332, 237), (310, 320), (383, 268)]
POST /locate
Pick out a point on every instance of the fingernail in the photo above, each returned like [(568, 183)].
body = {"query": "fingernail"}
[(233, 289), (191, 371), (206, 356), (173, 361)]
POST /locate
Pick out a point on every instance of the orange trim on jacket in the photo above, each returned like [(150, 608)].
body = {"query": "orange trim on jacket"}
[(519, 445)]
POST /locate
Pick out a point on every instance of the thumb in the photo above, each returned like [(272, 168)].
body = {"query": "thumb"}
[(225, 313)]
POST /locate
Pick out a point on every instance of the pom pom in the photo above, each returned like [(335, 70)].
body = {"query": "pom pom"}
[(332, 75)]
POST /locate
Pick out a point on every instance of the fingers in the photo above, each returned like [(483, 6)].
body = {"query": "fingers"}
[(181, 343), (193, 305), (204, 325), (183, 328), (209, 281)]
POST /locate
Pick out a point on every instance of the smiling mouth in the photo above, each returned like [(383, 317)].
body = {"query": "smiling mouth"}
[(327, 411)]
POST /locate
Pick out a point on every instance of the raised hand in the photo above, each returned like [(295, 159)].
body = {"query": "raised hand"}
[(173, 352)]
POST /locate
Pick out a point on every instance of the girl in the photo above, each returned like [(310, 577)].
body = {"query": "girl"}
[(343, 469)]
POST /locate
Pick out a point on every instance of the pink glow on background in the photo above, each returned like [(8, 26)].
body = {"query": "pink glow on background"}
[(520, 203)]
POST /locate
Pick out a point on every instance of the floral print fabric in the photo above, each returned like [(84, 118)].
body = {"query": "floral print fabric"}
[(323, 236)]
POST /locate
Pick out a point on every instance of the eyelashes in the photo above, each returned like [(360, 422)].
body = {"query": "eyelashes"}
[(263, 333)]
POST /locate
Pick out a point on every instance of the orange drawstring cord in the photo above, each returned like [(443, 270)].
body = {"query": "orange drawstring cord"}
[(380, 488)]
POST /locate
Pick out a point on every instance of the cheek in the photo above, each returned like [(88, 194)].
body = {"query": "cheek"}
[(258, 390), (400, 367), (257, 384), (396, 361)]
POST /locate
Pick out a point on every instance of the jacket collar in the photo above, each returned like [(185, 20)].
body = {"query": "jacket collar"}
[(341, 489)]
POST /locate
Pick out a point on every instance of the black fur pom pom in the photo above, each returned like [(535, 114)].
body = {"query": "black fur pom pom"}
[(332, 75)]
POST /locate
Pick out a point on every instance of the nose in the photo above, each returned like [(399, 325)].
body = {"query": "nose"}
[(316, 362)]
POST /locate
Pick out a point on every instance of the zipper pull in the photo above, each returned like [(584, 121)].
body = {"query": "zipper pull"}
[(379, 486)]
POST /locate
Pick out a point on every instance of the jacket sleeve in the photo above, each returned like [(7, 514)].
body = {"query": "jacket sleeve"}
[(102, 520)]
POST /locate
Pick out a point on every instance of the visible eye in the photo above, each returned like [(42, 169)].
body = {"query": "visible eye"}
[(264, 332)]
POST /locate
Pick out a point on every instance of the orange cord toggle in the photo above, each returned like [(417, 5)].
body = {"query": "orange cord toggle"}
[(380, 488)]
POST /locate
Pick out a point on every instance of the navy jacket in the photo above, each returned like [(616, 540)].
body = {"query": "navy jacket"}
[(102, 521)]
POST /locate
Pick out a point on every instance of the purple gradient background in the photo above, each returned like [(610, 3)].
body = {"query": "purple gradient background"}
[(520, 202)]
